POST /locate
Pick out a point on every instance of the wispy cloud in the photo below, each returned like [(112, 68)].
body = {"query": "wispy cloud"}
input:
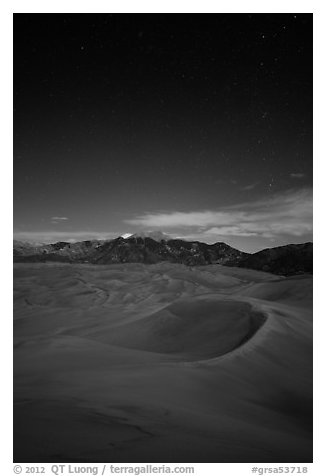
[(55, 220), (288, 213), (233, 230), (250, 186), (297, 175)]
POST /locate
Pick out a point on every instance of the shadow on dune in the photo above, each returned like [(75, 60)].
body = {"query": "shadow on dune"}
[(191, 329)]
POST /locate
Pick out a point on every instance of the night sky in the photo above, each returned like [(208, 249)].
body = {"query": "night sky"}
[(199, 125)]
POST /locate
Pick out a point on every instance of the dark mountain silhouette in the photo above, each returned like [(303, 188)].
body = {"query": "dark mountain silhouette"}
[(284, 260), (134, 249), (60, 251)]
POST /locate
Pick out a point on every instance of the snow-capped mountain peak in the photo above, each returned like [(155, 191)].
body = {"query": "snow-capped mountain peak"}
[(155, 235)]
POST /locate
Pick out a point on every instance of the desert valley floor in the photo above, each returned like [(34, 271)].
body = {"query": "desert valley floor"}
[(161, 363)]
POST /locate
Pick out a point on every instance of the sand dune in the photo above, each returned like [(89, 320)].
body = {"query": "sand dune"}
[(191, 328), (161, 363)]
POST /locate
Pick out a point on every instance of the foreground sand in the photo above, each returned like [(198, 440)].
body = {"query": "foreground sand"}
[(161, 363)]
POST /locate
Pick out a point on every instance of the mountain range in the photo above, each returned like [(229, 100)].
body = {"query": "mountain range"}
[(154, 247)]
